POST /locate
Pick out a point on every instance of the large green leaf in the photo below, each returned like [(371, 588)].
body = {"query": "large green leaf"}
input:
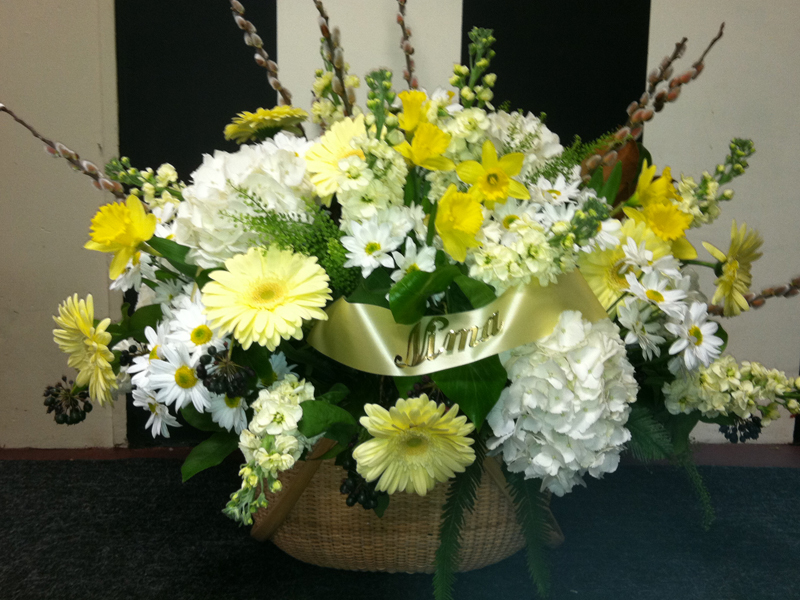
[(408, 297), (175, 253), (198, 420), (209, 453), (336, 394), (611, 186), (478, 293), (319, 416), (474, 387), (134, 326)]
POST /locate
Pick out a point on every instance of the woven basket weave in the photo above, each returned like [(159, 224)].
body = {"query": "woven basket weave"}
[(321, 529)]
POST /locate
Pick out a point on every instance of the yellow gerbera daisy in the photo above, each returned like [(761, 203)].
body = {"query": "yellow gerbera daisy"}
[(415, 444), (458, 219), (735, 280), (604, 270), (322, 160), (427, 147), (415, 107), (263, 123), (491, 178), (87, 347), (265, 295), (121, 228)]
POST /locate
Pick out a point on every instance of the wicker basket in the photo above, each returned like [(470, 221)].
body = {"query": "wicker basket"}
[(310, 521)]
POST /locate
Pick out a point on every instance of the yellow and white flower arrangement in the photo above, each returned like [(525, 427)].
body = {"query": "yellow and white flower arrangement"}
[(419, 208)]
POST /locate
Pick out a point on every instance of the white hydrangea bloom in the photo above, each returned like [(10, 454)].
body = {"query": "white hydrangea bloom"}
[(565, 411)]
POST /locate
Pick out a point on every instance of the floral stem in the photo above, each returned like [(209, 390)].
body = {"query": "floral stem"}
[(701, 263)]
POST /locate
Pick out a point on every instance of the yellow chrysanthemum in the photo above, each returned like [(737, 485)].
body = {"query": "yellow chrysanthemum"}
[(604, 270), (491, 178), (87, 347), (322, 160), (263, 123), (265, 295), (120, 228), (415, 107), (427, 147), (458, 219), (735, 280), (415, 444)]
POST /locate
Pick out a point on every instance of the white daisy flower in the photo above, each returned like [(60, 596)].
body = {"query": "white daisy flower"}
[(635, 316), (176, 381), (280, 368), (166, 291), (369, 246), (140, 266), (229, 412), (413, 260), (160, 417), (638, 257), (558, 191), (696, 337), (652, 289), (156, 340), (189, 327)]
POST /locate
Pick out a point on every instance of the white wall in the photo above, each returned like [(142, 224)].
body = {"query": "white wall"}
[(57, 71), (750, 88)]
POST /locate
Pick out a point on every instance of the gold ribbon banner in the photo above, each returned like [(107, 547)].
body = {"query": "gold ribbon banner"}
[(366, 337)]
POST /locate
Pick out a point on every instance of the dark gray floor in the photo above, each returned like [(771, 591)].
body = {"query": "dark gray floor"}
[(129, 529)]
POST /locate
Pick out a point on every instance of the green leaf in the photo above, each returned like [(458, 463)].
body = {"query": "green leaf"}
[(723, 335), (611, 186), (257, 358), (534, 519), (383, 504), (147, 316), (198, 420), (649, 439), (209, 453), (644, 154), (175, 253), (459, 501), (373, 289), (478, 293), (319, 416), (475, 387), (336, 394), (679, 427), (408, 297), (597, 180)]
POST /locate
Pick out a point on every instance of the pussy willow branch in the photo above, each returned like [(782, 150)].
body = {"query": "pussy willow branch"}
[(251, 38), (336, 58), (787, 290), (83, 166), (405, 44)]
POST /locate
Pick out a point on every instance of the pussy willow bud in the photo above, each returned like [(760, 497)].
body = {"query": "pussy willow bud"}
[(338, 58), (260, 60), (89, 167), (637, 116), (247, 39), (323, 25), (96, 184), (610, 158), (647, 115), (51, 151), (698, 69), (688, 76), (644, 99), (632, 107), (237, 6), (255, 39), (272, 66), (673, 94), (623, 133), (241, 22), (674, 82), (336, 84), (336, 37), (407, 47), (593, 162), (667, 73), (653, 77), (118, 187), (636, 133), (274, 83), (106, 184), (351, 95), (399, 19)]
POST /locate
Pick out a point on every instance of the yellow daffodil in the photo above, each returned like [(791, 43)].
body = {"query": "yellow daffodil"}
[(427, 147), (415, 106), (491, 178), (659, 211), (263, 123), (458, 219), (735, 280), (121, 228)]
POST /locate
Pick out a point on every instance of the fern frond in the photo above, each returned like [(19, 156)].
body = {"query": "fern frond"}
[(533, 515), (460, 500), (700, 489), (650, 440)]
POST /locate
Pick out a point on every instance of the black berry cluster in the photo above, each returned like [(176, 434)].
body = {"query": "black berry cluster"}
[(221, 375), (741, 431), (358, 489), (126, 356), (70, 407)]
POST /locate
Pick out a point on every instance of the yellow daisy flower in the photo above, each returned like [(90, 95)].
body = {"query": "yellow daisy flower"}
[(87, 347), (458, 219), (322, 160), (604, 270), (120, 229), (491, 178), (415, 444), (263, 123), (415, 107), (427, 147), (265, 295), (735, 280)]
